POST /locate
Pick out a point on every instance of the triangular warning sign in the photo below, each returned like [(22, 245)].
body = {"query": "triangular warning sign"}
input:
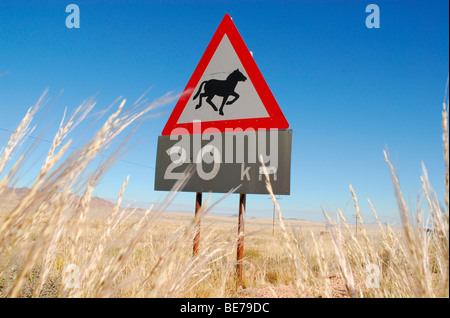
[(227, 90)]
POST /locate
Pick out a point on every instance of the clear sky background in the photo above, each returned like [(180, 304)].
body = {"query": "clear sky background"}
[(348, 92)]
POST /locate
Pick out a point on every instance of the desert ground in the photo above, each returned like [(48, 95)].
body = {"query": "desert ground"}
[(260, 280), (139, 254)]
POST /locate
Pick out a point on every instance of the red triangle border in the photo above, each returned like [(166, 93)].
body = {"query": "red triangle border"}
[(276, 119)]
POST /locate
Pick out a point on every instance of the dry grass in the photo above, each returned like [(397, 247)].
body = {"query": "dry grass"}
[(55, 246)]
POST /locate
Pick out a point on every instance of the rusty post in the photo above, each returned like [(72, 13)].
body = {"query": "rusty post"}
[(240, 245), (198, 205), (273, 219)]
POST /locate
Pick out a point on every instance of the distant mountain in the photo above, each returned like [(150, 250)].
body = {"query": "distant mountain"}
[(97, 202), (16, 194), (17, 191)]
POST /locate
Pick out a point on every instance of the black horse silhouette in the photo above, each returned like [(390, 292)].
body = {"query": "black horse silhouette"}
[(223, 88)]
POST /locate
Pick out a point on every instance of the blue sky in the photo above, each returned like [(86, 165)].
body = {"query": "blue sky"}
[(348, 92)]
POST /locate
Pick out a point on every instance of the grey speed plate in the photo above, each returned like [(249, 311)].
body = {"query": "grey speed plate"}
[(220, 162)]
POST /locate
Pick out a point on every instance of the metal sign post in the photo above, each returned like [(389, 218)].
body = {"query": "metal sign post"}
[(241, 235), (198, 205), (273, 219)]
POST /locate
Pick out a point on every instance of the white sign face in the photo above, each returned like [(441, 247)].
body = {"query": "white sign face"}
[(224, 92)]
